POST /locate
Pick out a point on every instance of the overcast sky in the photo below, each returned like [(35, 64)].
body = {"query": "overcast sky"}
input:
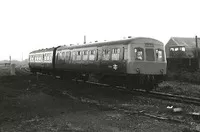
[(27, 25)]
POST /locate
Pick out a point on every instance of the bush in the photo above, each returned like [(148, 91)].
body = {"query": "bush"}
[(184, 75)]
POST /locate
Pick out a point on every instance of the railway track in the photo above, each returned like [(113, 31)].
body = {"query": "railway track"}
[(138, 92), (154, 94), (21, 70)]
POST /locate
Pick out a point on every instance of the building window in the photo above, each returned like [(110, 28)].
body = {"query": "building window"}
[(175, 49), (178, 51), (182, 48), (171, 49)]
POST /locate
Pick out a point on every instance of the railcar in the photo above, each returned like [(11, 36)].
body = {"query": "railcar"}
[(136, 62), (42, 60)]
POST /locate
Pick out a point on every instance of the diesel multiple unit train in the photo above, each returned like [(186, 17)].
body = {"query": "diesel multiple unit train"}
[(135, 62)]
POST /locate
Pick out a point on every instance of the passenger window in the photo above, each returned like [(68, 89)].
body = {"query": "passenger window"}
[(115, 54), (85, 55), (62, 56), (67, 56), (159, 55), (92, 55), (45, 57), (150, 55), (73, 55), (78, 57), (106, 54), (50, 57), (139, 54)]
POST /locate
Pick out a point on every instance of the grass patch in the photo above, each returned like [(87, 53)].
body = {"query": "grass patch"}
[(184, 76)]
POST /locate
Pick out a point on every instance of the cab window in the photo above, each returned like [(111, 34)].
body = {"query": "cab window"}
[(139, 53), (159, 55), (150, 54)]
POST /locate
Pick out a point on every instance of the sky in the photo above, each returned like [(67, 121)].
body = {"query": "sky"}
[(27, 25)]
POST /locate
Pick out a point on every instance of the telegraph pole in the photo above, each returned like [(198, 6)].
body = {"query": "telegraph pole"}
[(22, 56), (10, 59), (196, 46), (197, 52)]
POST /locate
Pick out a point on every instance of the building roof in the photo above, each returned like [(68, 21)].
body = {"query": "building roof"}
[(189, 42)]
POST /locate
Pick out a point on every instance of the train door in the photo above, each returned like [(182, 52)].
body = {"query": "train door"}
[(112, 59), (98, 58)]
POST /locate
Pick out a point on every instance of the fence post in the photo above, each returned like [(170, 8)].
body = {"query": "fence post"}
[(12, 69)]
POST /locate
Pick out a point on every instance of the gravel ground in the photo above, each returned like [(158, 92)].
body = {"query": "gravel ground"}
[(180, 88), (28, 104)]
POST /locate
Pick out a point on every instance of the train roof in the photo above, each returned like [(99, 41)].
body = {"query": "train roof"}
[(116, 42), (43, 50)]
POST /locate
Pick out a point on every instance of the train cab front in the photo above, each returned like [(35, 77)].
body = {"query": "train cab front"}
[(147, 64)]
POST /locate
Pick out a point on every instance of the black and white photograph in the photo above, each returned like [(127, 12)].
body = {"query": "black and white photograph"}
[(99, 66)]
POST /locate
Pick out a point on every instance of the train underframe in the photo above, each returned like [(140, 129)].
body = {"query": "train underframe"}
[(130, 81), (142, 81), (133, 81)]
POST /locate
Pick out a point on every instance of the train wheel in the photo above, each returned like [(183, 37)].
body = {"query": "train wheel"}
[(85, 77), (149, 87)]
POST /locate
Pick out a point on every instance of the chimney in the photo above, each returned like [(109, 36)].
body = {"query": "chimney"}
[(84, 39)]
